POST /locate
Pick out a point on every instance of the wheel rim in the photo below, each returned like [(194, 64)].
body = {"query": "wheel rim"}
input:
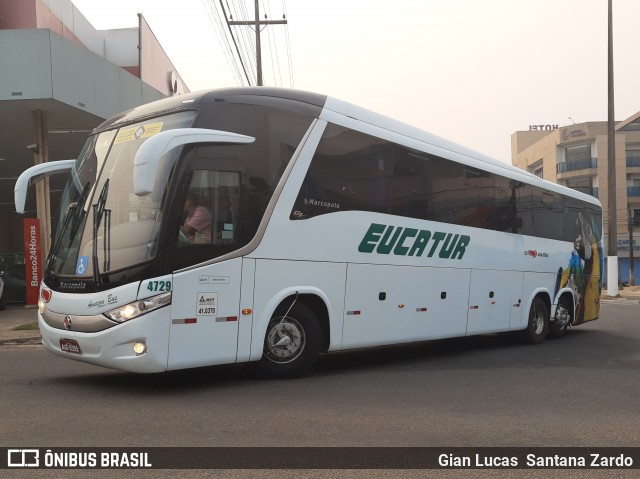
[(285, 340), (538, 321), (563, 318)]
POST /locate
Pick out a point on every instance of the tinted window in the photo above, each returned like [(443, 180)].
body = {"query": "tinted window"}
[(408, 185), (348, 172), (211, 210), (547, 214), (506, 204), (354, 171)]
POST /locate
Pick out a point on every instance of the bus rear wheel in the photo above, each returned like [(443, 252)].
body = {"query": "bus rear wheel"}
[(538, 325), (292, 344)]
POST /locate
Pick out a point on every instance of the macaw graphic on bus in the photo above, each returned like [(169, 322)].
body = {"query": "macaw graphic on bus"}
[(584, 272)]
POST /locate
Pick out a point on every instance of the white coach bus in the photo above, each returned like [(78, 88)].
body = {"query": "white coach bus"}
[(272, 225)]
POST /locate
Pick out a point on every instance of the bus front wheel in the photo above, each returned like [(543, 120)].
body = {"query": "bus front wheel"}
[(538, 326), (292, 344)]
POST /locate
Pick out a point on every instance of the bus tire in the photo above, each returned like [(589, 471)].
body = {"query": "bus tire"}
[(538, 325), (292, 344), (558, 327)]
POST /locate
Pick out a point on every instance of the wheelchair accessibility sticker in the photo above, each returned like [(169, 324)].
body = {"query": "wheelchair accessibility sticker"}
[(81, 266)]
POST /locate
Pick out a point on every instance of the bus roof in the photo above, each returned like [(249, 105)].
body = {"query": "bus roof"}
[(197, 100)]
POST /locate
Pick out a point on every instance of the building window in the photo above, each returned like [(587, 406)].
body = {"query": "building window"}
[(578, 153), (537, 169), (633, 156), (584, 185), (633, 185)]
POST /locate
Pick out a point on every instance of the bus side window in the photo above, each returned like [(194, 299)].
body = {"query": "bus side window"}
[(211, 208), (506, 204), (347, 173), (548, 214), (524, 209), (409, 182)]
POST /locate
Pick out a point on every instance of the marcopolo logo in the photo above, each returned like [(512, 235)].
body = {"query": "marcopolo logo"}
[(323, 204), (385, 239)]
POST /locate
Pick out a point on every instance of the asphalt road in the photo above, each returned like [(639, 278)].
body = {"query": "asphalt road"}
[(581, 390)]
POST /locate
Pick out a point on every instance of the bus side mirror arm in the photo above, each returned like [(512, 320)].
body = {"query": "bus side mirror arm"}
[(148, 159), (36, 173)]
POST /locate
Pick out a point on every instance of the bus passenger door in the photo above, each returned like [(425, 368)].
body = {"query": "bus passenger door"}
[(493, 297), (206, 298), (205, 315)]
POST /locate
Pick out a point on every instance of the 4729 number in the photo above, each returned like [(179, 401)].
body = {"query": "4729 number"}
[(159, 286)]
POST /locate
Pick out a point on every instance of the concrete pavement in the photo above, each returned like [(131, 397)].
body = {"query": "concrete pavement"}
[(16, 315)]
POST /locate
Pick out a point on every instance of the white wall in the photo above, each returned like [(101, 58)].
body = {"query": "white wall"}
[(117, 46)]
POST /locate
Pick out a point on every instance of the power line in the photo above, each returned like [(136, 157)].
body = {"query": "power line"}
[(269, 36), (257, 23), (246, 41), (273, 48), (243, 50), (214, 18), (235, 43), (286, 32)]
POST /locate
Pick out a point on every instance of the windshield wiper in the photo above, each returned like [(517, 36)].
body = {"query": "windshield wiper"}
[(73, 216), (98, 212), (78, 213)]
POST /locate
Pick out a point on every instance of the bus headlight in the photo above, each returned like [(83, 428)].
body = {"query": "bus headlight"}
[(138, 308)]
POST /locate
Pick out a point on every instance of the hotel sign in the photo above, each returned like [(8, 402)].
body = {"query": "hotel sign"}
[(543, 127), (570, 134)]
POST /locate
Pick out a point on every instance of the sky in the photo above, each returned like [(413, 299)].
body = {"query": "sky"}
[(473, 72)]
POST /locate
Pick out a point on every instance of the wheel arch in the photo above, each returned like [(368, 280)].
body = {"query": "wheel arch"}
[(542, 293), (565, 294), (310, 296)]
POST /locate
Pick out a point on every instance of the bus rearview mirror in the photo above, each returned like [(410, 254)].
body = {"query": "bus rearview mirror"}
[(151, 158)]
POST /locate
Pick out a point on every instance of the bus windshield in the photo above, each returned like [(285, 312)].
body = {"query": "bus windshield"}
[(102, 229)]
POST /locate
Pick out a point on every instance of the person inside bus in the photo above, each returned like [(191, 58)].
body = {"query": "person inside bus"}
[(197, 224)]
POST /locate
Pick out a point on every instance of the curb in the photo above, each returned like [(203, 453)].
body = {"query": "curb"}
[(20, 341)]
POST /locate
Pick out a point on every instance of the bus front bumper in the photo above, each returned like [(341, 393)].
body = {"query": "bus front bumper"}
[(114, 347)]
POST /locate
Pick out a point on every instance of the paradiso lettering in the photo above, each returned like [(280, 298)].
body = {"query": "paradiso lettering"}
[(385, 239)]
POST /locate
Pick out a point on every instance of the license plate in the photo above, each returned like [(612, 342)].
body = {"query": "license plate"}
[(70, 346)]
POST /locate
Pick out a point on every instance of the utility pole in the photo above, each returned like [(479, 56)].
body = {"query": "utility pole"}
[(257, 23), (612, 247), (632, 281)]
